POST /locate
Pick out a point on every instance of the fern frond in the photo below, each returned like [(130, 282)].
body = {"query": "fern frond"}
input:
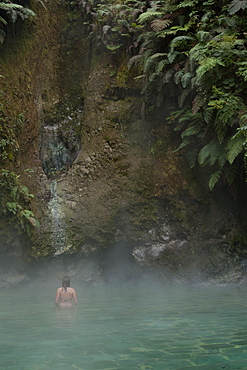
[(148, 63), (152, 76), (207, 65), (183, 96), (230, 173), (168, 75), (186, 4), (222, 159), (182, 145), (242, 70), (208, 114), (159, 24), (191, 130), (197, 104), (178, 75), (185, 79), (236, 5), (209, 153), (171, 56), (157, 55), (7, 6), (214, 178), (177, 41), (147, 16), (235, 146), (160, 66), (132, 61), (203, 36), (191, 156)]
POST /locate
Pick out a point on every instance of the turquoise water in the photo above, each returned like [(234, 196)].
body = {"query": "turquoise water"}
[(125, 327)]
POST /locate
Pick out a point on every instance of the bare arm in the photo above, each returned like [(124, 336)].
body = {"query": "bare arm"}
[(57, 295), (75, 297)]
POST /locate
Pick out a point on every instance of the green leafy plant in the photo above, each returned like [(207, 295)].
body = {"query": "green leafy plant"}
[(9, 12), (15, 198), (192, 61)]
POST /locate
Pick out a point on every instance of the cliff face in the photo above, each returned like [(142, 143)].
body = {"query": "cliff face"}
[(103, 195)]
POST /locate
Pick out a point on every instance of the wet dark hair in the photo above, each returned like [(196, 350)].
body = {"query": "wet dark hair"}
[(66, 282)]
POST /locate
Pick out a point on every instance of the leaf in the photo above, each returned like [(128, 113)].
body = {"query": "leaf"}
[(183, 96), (209, 153), (203, 36), (32, 221), (185, 79), (191, 130), (158, 25), (149, 15), (179, 40), (171, 56), (235, 146), (207, 65), (236, 5), (114, 47), (214, 178), (160, 66), (191, 156)]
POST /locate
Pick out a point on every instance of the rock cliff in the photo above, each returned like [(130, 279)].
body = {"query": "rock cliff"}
[(109, 202)]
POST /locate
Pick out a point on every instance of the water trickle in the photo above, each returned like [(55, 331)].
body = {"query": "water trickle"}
[(59, 237), (55, 152), (60, 144)]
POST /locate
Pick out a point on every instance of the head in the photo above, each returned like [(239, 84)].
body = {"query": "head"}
[(66, 282)]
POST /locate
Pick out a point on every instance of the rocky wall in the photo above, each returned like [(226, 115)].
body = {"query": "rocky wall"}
[(102, 187)]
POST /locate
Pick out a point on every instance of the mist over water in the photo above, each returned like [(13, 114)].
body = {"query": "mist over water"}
[(124, 326)]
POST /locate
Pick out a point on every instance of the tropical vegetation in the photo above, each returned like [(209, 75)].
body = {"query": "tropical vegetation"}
[(192, 59), (10, 12)]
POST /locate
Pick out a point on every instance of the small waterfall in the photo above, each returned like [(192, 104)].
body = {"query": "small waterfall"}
[(57, 152), (59, 238)]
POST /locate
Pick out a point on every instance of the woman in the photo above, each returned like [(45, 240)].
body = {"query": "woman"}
[(65, 295)]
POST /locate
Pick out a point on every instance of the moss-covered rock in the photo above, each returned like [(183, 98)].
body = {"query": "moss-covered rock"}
[(103, 174)]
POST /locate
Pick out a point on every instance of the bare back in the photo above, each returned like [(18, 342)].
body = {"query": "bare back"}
[(65, 296)]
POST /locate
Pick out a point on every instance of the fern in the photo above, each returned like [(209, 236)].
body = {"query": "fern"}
[(235, 146), (177, 41), (147, 16), (203, 36), (230, 173), (132, 61), (186, 4), (185, 79), (209, 153), (168, 75), (242, 69), (207, 65), (183, 96), (214, 178), (161, 65), (159, 24), (171, 56), (191, 130), (237, 5), (178, 75), (191, 156)]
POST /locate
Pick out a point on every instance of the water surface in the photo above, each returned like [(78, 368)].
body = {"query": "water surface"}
[(125, 327)]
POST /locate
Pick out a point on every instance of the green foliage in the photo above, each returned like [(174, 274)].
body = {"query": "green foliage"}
[(15, 198), (9, 12), (237, 5), (9, 132), (192, 57)]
